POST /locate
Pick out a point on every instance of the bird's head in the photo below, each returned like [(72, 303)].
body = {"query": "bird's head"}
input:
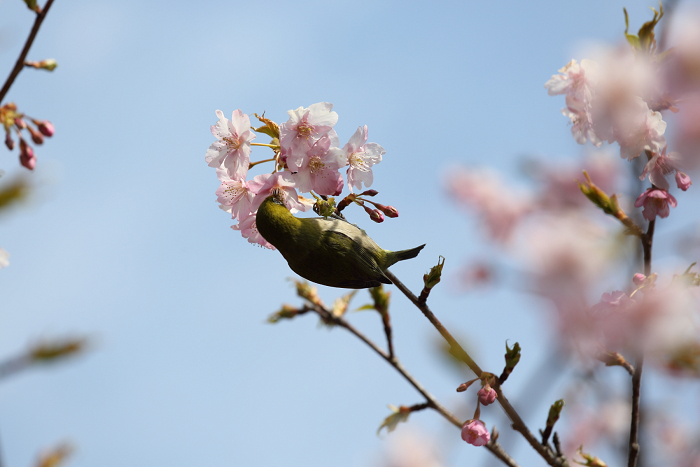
[(278, 196)]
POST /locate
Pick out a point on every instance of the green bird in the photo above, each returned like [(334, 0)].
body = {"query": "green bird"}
[(330, 252)]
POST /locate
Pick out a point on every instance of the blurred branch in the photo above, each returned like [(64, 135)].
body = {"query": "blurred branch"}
[(14, 365), (518, 424), (25, 50)]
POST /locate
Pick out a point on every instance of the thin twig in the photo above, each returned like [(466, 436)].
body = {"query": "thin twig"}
[(493, 446), (19, 65), (550, 457), (647, 243)]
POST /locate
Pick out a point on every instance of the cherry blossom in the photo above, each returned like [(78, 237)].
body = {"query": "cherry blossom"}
[(318, 171), (265, 184), (500, 208), (361, 156), (659, 166), (655, 202), (232, 150), (639, 129), (683, 181), (234, 195), (249, 230), (574, 80), (474, 432), (306, 126), (581, 122), (616, 301)]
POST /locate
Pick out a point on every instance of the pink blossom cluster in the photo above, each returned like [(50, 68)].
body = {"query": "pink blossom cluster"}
[(621, 99), (308, 159)]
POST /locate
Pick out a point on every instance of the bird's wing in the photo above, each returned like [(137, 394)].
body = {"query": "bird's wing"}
[(341, 234)]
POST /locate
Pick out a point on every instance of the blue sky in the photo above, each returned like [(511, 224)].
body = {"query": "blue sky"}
[(122, 240)]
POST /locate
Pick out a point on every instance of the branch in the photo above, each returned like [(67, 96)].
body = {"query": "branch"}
[(493, 446), (547, 454), (647, 242), (23, 55)]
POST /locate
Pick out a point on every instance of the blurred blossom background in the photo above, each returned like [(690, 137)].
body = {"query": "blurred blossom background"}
[(121, 239)]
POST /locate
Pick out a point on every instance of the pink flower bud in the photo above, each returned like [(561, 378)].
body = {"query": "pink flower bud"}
[(487, 395), (45, 127), (683, 180), (369, 193), (21, 124), (474, 432), (639, 279), (26, 155), (9, 142), (390, 211), (36, 136), (374, 214)]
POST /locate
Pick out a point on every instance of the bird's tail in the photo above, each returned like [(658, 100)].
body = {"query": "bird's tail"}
[(396, 256)]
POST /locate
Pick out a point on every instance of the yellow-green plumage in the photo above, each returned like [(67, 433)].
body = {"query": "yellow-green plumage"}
[(327, 251)]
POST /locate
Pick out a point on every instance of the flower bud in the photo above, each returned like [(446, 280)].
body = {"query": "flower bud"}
[(36, 136), (639, 279), (369, 193), (45, 127), (487, 395), (683, 181), (475, 433), (374, 214), (26, 155), (9, 142), (390, 211), (20, 123)]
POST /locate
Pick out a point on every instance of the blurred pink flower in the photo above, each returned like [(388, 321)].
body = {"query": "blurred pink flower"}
[(499, 208), (659, 166), (474, 432), (655, 202), (639, 129), (683, 181)]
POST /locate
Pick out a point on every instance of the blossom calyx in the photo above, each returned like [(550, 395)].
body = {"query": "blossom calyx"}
[(269, 128)]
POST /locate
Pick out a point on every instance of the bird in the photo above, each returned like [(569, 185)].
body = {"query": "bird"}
[(329, 252)]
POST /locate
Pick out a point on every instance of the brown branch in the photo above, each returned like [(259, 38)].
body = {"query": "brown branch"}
[(647, 242), (23, 55), (547, 454), (493, 446)]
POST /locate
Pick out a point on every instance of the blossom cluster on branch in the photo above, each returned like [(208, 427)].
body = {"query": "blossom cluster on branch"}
[(307, 158)]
